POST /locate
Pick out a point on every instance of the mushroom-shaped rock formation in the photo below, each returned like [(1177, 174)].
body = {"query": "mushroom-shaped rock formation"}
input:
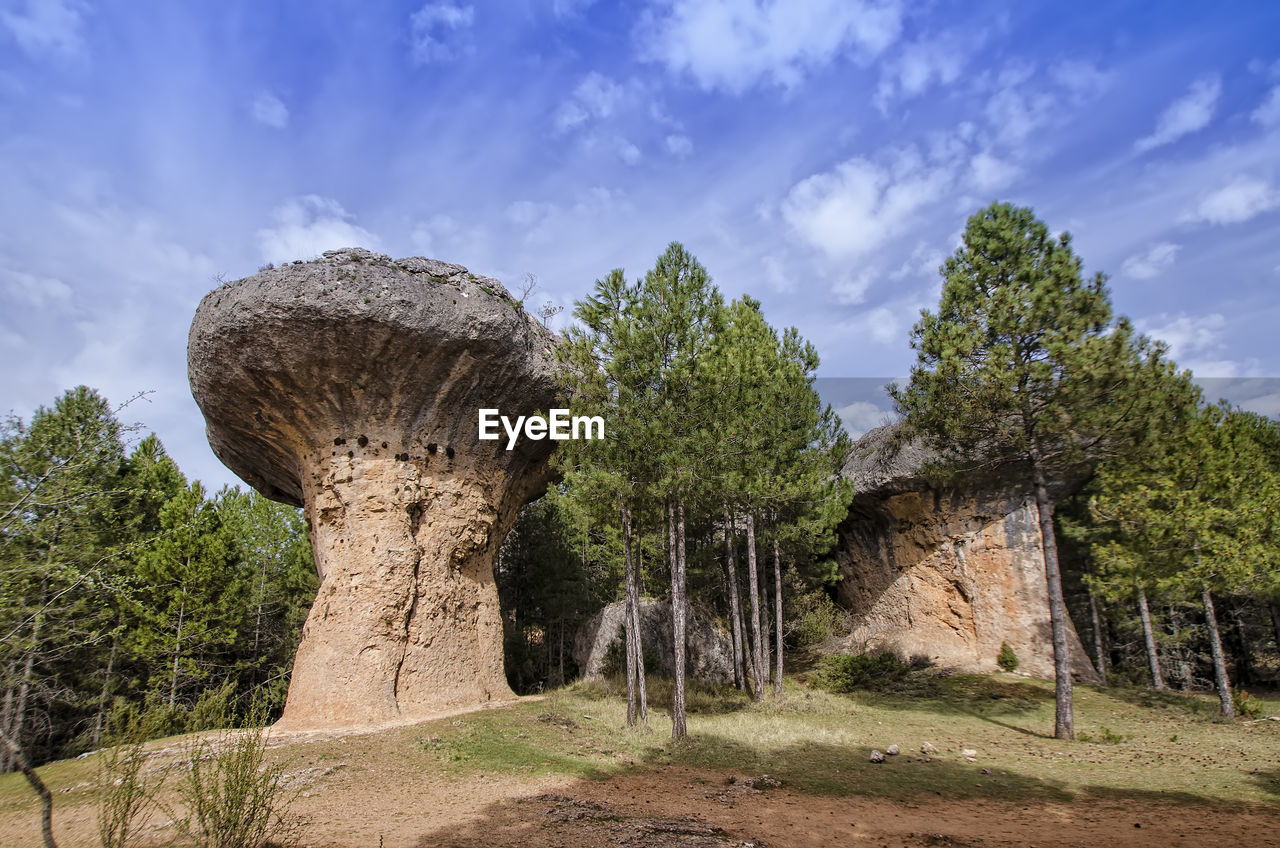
[(351, 386), (946, 570)]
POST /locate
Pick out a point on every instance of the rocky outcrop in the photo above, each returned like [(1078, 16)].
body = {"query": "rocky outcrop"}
[(709, 655), (945, 570), (351, 386)]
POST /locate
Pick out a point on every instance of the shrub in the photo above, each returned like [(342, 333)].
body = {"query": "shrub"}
[(125, 798), (1007, 659), (882, 671), (1247, 705), (817, 619), (233, 797)]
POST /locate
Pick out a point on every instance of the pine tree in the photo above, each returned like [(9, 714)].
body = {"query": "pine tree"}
[(1024, 368), (1195, 516)]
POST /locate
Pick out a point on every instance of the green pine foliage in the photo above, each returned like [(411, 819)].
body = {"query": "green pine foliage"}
[(125, 589), (708, 410), (1007, 659), (1024, 369)]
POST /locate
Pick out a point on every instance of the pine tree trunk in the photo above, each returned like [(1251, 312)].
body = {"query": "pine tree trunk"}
[(1275, 622), (106, 691), (630, 624), (28, 675), (766, 624), (46, 797), (735, 603), (6, 717), (678, 729), (753, 593), (177, 651), (1064, 719), (1220, 679), (638, 573), (1098, 651), (1149, 636), (777, 601), (257, 624)]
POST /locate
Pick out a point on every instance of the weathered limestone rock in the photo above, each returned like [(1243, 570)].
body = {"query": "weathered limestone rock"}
[(351, 386), (709, 655), (944, 571)]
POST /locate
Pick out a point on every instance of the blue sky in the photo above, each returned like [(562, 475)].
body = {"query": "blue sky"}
[(821, 155)]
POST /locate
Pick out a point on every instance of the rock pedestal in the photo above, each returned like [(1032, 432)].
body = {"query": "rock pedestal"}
[(351, 386), (949, 572)]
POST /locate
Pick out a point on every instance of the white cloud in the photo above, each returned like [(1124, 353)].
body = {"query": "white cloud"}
[(1015, 113), (35, 290), (269, 110), (883, 325), (1189, 113), (852, 209), (679, 146), (47, 27), (851, 289), (988, 172), (1154, 262), (308, 226), (432, 29), (733, 45), (775, 272), (861, 416), (1084, 80), (628, 152), (445, 237), (1238, 201), (1195, 342), (1268, 112), (923, 63), (597, 96), (526, 213)]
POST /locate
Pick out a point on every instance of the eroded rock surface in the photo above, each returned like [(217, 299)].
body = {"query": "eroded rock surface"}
[(709, 653), (949, 571), (351, 386)]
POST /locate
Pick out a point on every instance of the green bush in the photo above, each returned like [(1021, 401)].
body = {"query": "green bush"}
[(1007, 659), (844, 673), (817, 619), (233, 797), (125, 798), (1247, 705)]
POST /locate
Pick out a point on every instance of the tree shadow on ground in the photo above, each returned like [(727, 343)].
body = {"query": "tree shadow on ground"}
[(986, 698), (1202, 705), (709, 792), (1268, 780)]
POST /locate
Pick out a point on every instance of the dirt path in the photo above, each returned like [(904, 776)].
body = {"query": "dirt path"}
[(693, 809), (361, 791)]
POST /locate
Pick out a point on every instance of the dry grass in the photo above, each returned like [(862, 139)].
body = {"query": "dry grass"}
[(1144, 748)]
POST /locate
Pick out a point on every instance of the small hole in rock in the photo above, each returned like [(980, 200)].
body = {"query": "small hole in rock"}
[(339, 441), (363, 441), (449, 451), (431, 448)]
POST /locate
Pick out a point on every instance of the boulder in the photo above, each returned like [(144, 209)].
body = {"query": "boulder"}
[(709, 657), (947, 570), (351, 386)]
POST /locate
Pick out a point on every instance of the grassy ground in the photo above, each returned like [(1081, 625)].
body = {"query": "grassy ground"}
[(1135, 749), (1132, 743)]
